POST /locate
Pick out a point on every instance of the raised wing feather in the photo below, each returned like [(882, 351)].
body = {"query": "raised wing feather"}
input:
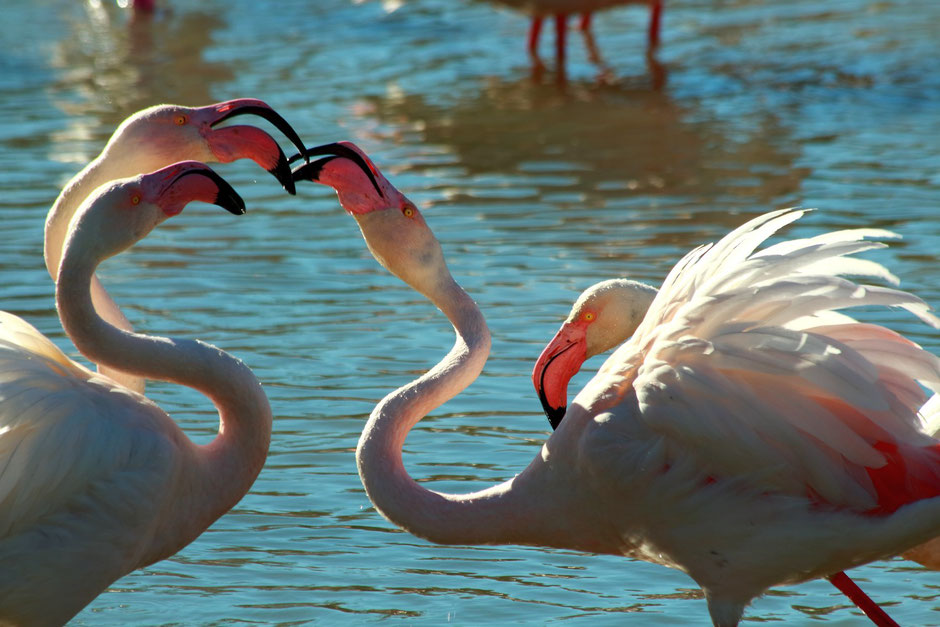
[(64, 431), (743, 364)]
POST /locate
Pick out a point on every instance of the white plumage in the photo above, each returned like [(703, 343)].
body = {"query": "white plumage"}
[(95, 479)]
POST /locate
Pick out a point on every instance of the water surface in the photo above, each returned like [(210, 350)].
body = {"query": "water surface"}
[(536, 189)]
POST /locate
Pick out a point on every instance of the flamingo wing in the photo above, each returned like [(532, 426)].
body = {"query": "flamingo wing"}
[(744, 367), (71, 441)]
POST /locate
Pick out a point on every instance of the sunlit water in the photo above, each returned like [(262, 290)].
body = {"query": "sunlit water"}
[(536, 190)]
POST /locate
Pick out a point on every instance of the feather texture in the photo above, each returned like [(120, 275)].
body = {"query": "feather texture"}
[(743, 363)]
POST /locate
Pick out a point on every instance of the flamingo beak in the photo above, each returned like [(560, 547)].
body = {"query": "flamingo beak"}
[(311, 171), (249, 106), (561, 360), (181, 183)]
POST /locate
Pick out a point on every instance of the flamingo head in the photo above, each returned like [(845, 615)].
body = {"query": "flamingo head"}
[(393, 227), (164, 134), (120, 213), (603, 316)]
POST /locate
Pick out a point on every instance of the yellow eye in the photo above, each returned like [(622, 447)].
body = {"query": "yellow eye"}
[(408, 211), (135, 199), (180, 120), (589, 316)]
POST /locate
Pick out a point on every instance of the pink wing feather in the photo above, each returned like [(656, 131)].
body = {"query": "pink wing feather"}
[(743, 365)]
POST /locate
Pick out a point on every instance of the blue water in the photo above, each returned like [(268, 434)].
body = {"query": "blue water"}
[(535, 188)]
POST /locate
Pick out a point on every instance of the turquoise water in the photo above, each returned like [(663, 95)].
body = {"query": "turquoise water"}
[(536, 189)]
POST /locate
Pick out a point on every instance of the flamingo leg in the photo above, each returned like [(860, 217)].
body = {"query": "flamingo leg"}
[(656, 14), (585, 24), (534, 31), (871, 609), (561, 33)]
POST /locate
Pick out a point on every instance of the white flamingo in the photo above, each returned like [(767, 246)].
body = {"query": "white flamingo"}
[(97, 480), (154, 138), (716, 441)]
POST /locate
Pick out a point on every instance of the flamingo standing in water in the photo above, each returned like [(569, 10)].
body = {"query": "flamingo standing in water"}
[(97, 480), (718, 441), (606, 315), (154, 138), (561, 9)]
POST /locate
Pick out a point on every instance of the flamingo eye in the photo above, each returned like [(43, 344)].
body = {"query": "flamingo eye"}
[(409, 211), (135, 199), (589, 316), (180, 119)]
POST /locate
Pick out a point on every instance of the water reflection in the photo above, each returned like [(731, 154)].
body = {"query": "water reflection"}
[(594, 150), (112, 65)]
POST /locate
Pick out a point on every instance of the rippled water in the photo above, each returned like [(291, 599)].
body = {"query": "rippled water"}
[(535, 188)]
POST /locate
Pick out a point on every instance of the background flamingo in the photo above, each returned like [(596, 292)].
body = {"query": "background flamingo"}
[(681, 451), (96, 480), (561, 9), (154, 138)]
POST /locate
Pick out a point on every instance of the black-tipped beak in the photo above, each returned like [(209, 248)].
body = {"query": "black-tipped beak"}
[(281, 171), (311, 171), (262, 110), (554, 414), (226, 197)]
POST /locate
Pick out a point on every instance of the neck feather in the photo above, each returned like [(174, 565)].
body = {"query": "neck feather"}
[(496, 515), (95, 174), (228, 465)]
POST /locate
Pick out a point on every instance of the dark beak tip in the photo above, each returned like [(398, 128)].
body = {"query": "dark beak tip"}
[(285, 177), (555, 415)]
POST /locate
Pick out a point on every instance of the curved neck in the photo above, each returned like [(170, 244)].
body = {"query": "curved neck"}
[(230, 463), (101, 170), (496, 515)]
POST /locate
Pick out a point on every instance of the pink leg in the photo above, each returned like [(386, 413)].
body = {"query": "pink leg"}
[(656, 14), (585, 24), (534, 31), (871, 609), (561, 32)]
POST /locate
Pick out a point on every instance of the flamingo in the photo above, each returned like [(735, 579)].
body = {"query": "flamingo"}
[(607, 314), (561, 9), (742, 452), (154, 138), (97, 480)]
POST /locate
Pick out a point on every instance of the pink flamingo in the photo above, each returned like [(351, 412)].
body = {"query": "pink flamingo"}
[(717, 441), (561, 9), (607, 314), (97, 480), (154, 138)]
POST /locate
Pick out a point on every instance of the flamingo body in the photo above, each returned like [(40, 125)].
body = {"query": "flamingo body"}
[(95, 479), (700, 445)]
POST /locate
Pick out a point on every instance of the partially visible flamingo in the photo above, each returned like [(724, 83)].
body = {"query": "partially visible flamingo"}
[(606, 315), (561, 9), (97, 480), (746, 453), (154, 138)]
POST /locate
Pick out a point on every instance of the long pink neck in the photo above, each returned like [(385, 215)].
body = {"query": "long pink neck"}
[(228, 465), (108, 166), (496, 515)]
